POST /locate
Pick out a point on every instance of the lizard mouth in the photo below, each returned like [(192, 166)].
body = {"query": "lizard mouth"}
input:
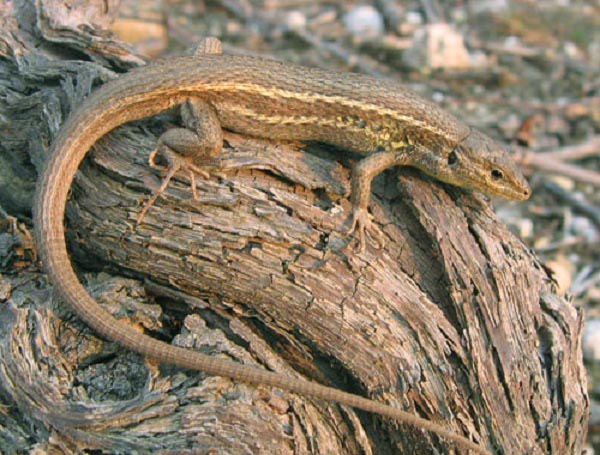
[(519, 192)]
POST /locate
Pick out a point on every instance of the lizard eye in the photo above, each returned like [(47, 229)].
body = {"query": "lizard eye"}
[(451, 159), (497, 174)]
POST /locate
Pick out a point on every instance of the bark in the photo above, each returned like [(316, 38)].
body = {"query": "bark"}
[(454, 320)]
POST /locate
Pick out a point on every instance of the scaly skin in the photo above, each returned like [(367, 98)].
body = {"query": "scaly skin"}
[(378, 118)]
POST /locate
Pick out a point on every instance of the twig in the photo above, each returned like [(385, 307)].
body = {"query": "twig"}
[(581, 206), (562, 244), (513, 49), (364, 64), (589, 104), (393, 13), (540, 161), (431, 11), (576, 152), (585, 281)]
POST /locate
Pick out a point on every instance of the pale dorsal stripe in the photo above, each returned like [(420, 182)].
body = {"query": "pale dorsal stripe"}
[(278, 93)]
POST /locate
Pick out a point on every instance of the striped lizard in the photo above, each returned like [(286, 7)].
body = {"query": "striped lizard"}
[(380, 119)]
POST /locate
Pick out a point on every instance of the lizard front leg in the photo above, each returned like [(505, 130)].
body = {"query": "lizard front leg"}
[(362, 176)]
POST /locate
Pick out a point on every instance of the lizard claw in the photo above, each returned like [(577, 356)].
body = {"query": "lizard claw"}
[(362, 226), (175, 162)]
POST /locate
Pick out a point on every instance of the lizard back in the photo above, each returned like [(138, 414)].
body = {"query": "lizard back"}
[(266, 98)]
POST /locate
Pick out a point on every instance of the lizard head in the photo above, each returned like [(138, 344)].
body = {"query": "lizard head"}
[(477, 163)]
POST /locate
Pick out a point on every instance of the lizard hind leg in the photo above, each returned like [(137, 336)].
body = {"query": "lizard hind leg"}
[(187, 148)]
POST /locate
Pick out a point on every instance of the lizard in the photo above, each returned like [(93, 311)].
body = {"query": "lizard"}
[(377, 118)]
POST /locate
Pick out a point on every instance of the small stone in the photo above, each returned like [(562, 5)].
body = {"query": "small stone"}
[(591, 340), (509, 125), (488, 6), (512, 41), (572, 51), (594, 420), (562, 270), (295, 20), (556, 124), (149, 37), (364, 21), (582, 226), (593, 296), (525, 227), (437, 46), (540, 243), (5, 289), (414, 18), (412, 21), (458, 15), (478, 59), (438, 97), (563, 182), (594, 52), (576, 110)]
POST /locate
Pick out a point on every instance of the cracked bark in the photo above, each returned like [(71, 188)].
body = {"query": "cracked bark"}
[(454, 320)]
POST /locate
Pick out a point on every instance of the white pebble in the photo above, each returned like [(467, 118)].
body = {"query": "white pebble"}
[(582, 226), (414, 18), (364, 21), (562, 272), (437, 46), (591, 340), (295, 20)]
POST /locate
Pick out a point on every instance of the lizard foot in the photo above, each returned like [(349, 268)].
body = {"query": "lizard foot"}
[(362, 226), (175, 162)]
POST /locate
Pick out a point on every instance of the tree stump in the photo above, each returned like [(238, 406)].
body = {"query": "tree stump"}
[(454, 320)]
